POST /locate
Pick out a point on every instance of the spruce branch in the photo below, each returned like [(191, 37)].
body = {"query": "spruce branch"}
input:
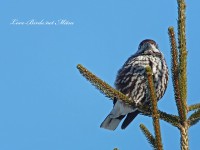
[(155, 114), (182, 55), (112, 93), (175, 72), (194, 107), (148, 135), (194, 118), (194, 122), (184, 136), (103, 87), (183, 72), (171, 119)]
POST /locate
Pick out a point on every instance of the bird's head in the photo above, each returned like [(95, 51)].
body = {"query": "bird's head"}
[(148, 46)]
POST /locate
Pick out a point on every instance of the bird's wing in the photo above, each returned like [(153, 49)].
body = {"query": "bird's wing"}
[(131, 78)]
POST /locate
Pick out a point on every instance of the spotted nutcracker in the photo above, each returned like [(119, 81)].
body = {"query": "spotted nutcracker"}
[(131, 80)]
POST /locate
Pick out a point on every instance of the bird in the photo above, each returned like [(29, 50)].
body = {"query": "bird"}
[(132, 81)]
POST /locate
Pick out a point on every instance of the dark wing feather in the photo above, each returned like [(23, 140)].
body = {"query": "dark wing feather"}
[(129, 118)]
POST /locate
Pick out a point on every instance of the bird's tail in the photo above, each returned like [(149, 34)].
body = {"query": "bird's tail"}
[(129, 118), (111, 123), (118, 112)]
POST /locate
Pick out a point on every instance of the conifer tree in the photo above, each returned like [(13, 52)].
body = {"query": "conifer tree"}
[(179, 78)]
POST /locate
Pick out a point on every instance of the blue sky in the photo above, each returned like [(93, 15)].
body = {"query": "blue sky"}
[(45, 104)]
